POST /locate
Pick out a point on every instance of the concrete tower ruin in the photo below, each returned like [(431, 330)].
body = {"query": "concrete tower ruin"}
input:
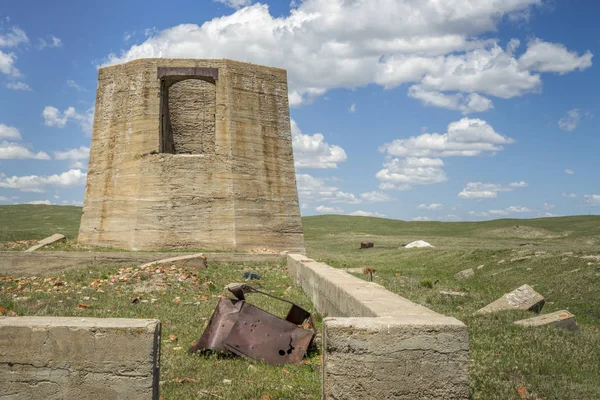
[(191, 154)]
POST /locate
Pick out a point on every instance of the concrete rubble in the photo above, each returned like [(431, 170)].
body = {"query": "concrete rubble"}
[(57, 237), (467, 273), (417, 244), (189, 261), (448, 293), (559, 319), (522, 298)]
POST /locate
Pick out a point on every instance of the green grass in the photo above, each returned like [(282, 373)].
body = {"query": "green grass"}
[(547, 363)]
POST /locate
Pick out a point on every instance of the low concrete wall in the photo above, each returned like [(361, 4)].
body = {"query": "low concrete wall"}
[(39, 262), (378, 345), (73, 358)]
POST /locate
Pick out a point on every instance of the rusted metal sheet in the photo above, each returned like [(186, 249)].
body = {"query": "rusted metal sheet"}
[(192, 71), (246, 330)]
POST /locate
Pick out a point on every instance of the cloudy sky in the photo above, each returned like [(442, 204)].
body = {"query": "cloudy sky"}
[(413, 109)]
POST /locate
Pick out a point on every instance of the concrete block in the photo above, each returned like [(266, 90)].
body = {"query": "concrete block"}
[(378, 345), (57, 237), (467, 273), (79, 358), (559, 319), (190, 261), (522, 298)]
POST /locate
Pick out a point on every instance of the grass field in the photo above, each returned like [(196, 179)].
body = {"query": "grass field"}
[(559, 257)]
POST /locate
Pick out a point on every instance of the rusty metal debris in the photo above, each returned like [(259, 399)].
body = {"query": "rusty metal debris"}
[(246, 330), (366, 245)]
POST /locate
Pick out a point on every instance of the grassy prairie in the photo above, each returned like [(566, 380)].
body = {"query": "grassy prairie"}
[(559, 257)]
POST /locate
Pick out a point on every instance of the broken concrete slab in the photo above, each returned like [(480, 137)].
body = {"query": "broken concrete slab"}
[(79, 358), (447, 293), (559, 319), (189, 261), (522, 298), (57, 237), (467, 273)]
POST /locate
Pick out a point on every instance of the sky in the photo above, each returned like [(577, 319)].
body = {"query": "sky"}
[(449, 110)]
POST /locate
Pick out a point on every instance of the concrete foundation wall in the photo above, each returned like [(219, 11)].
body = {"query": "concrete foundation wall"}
[(226, 178), (73, 358), (43, 262), (378, 345)]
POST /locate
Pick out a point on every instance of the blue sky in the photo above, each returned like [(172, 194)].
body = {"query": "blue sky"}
[(458, 110)]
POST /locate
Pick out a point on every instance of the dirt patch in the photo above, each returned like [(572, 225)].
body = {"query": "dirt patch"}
[(524, 232)]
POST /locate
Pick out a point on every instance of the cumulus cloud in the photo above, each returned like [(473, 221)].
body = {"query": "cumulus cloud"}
[(44, 202), (329, 210), (403, 174), (18, 86), (570, 195), (13, 38), (75, 156), (431, 207), (53, 117), (35, 183), (312, 151), (553, 57), (7, 64), (327, 44), (421, 219), (465, 138), (570, 120), (569, 172), (361, 213), (479, 190), (375, 197), (592, 200), (9, 132), (501, 212), (352, 108), (466, 104)]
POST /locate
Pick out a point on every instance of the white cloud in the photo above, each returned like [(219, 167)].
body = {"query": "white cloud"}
[(501, 212), (592, 200), (352, 108), (75, 156), (361, 213), (375, 197), (52, 42), (7, 64), (44, 202), (74, 85), (18, 86), (464, 103), (329, 210), (431, 207), (421, 219), (326, 44), (4, 198), (451, 217), (11, 150), (519, 209), (14, 38), (401, 174), (34, 183), (53, 117), (569, 172), (498, 212), (553, 57), (479, 190), (479, 214), (9, 132), (464, 138), (570, 195), (549, 206), (312, 151), (235, 3), (570, 121), (312, 189)]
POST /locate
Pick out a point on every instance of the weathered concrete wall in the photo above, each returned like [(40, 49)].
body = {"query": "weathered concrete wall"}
[(236, 191), (73, 358), (44, 262), (378, 345)]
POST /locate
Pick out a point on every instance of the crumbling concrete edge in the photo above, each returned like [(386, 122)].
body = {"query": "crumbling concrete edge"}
[(377, 344)]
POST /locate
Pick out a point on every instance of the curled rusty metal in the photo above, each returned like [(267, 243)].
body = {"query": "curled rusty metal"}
[(246, 330)]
